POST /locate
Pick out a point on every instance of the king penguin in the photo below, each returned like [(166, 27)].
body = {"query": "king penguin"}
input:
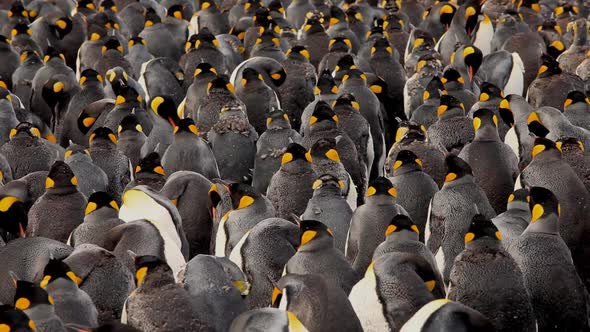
[(101, 214), (446, 315), (515, 219)]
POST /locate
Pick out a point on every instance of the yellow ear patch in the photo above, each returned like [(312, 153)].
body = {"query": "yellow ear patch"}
[(390, 229), (156, 102), (469, 237), (74, 277), (245, 201), (371, 191), (537, 212), (430, 285), (333, 155), (399, 134), (89, 121), (119, 100), (498, 235), (415, 229), (90, 207), (511, 198), (113, 138), (22, 303), (537, 149), (441, 110), (49, 183), (392, 192), (275, 294), (484, 97), (450, 177), (159, 170), (74, 181), (308, 156), (376, 89), (5, 328), (307, 236), (6, 203), (140, 275), (286, 158), (476, 123), (316, 184), (397, 164)]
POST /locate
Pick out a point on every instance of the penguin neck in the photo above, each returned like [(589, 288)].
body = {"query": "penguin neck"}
[(548, 155), (148, 175), (352, 83), (40, 312), (79, 157), (547, 224), (581, 38), (452, 113), (102, 144), (465, 179), (433, 101), (518, 205), (454, 86), (402, 236), (62, 285), (328, 191), (322, 243), (158, 278), (323, 126), (380, 199), (580, 108), (298, 166), (487, 133), (279, 125), (65, 190), (102, 214), (407, 168), (485, 242)]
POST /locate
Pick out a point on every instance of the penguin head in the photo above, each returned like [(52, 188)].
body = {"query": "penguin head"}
[(549, 67), (294, 152), (278, 77), (118, 79), (298, 52), (575, 97), (136, 41), (449, 107), (406, 160), (354, 15), (165, 108), (469, 14), (409, 131), (340, 44), (205, 68), (107, 5), (186, 125), (112, 44), (250, 75), (485, 122), (29, 295), (544, 207), (324, 148), (490, 91), (151, 18), (151, 265), (451, 75), (268, 37), (429, 64), (480, 228), (330, 182), (99, 200), (75, 150), (51, 54), (546, 147), (261, 17), (278, 119), (532, 4), (446, 12), (519, 199), (472, 57), (17, 11), (381, 46), (323, 115), (570, 145), (25, 129), (337, 16), (86, 5), (176, 11), (29, 56), (395, 22), (56, 269), (102, 135), (402, 223), (12, 319), (535, 123), (150, 164), (204, 39), (345, 64), (129, 96), (355, 76), (326, 84), (381, 186), (555, 48), (242, 195), (220, 83), (311, 231), (61, 27), (90, 75), (376, 31), (14, 216), (276, 6), (130, 123), (21, 29), (346, 100), (456, 168), (60, 177), (313, 25), (434, 89)]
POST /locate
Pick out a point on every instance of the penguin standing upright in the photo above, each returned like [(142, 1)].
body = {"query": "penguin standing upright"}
[(258, 97), (416, 188), (8, 118), (317, 303), (551, 123), (61, 209), (91, 178), (101, 214), (316, 255), (270, 147), (162, 134), (262, 253), (494, 164), (457, 87), (453, 130), (314, 38), (138, 54), (571, 58), (576, 108), (329, 206), (23, 76), (426, 113), (291, 187), (485, 265), (189, 152), (104, 153), (131, 138), (369, 222), (460, 30), (353, 124), (490, 98), (515, 219), (438, 19), (157, 290), (203, 48), (249, 207), (160, 41), (37, 304), (451, 211), (543, 257), (220, 94), (128, 101), (444, 314), (71, 304), (149, 172)]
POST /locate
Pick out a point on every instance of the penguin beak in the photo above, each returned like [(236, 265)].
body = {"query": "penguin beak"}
[(172, 122), (21, 230), (471, 73)]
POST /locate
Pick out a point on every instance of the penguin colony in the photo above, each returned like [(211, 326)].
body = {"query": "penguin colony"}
[(294, 165)]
